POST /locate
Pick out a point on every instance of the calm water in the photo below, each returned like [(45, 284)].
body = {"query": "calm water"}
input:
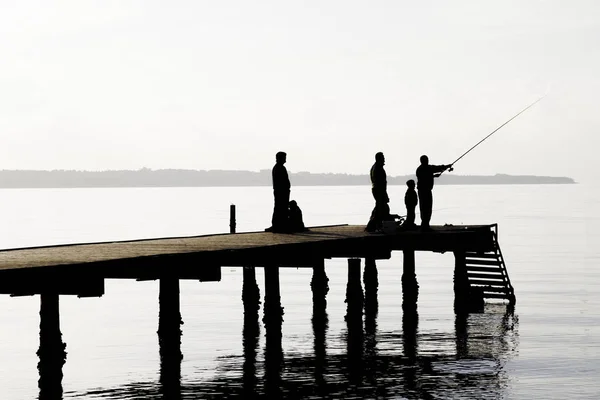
[(548, 349)]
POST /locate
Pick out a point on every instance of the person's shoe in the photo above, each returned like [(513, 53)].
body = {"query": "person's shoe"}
[(269, 229), (426, 228)]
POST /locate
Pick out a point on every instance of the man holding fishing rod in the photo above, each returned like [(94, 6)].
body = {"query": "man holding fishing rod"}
[(425, 175)]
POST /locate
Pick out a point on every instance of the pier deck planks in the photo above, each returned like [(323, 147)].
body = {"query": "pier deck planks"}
[(258, 248)]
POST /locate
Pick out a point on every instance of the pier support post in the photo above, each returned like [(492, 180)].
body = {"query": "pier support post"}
[(52, 352), (354, 293), (319, 285), (250, 293), (410, 286), (169, 336), (465, 298), (273, 311), (371, 281)]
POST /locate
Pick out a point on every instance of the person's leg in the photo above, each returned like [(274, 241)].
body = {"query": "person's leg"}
[(280, 212), (425, 204), (410, 216)]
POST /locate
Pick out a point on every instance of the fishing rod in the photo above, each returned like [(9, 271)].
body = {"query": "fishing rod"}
[(494, 131)]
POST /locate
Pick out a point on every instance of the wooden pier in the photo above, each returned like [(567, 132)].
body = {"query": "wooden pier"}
[(81, 269)]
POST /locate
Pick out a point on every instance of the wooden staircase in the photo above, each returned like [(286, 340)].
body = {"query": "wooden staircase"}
[(487, 274)]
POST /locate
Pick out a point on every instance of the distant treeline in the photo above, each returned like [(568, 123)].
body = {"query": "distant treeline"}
[(190, 178)]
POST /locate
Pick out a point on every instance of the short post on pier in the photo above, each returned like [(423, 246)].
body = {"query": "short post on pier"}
[(232, 222)]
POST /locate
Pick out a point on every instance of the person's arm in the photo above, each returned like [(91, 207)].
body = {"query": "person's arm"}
[(439, 168)]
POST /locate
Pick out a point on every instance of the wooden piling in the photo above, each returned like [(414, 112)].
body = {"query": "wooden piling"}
[(273, 311), (250, 293), (169, 321), (354, 293), (371, 282), (319, 284), (410, 286), (51, 352)]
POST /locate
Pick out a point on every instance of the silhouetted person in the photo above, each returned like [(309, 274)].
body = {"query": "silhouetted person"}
[(425, 175), (410, 201), (379, 190), (281, 192), (296, 223)]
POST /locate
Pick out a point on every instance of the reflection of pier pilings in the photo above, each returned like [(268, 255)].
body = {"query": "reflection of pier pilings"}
[(273, 319), (410, 286), (320, 323), (251, 300), (462, 336), (410, 328), (169, 337), (371, 282), (52, 352), (354, 312), (250, 342)]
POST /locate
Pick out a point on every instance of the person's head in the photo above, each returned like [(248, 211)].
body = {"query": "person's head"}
[(379, 158), (293, 204), (281, 157), (424, 160), (410, 183)]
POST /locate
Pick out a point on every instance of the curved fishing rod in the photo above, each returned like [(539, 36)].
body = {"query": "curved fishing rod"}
[(494, 131)]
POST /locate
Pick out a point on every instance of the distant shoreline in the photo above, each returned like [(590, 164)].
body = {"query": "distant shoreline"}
[(24, 179)]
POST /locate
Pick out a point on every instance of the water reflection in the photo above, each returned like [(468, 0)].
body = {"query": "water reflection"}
[(320, 324), (467, 362), (250, 340)]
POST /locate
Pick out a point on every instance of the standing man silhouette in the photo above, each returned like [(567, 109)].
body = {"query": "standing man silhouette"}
[(379, 190), (281, 192), (425, 175)]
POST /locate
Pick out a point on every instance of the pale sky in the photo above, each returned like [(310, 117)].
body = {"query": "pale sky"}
[(94, 85)]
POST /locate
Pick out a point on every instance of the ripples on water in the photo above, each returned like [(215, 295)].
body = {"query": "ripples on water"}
[(466, 363)]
